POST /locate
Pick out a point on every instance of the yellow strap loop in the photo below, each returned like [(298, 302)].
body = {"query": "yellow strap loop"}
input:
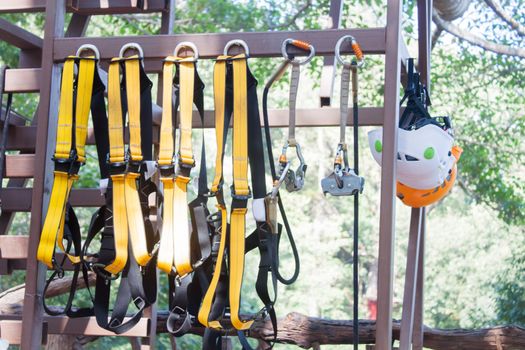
[(86, 73), (182, 260), (132, 66), (65, 111), (166, 247), (219, 87), (241, 188), (54, 218), (207, 301), (187, 71), (117, 153), (120, 226), (137, 231), (166, 148)]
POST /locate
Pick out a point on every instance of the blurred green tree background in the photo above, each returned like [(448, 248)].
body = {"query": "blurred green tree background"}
[(475, 246)]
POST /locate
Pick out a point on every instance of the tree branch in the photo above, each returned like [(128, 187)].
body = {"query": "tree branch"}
[(292, 19), (475, 40), (515, 25)]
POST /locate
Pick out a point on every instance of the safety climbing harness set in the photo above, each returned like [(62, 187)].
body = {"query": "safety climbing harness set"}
[(127, 236), (427, 157), (202, 251), (345, 181)]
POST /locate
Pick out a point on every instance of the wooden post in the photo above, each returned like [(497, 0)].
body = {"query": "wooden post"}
[(43, 179), (388, 178), (409, 295)]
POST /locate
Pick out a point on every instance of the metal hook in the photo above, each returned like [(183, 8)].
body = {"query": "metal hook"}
[(88, 47), (300, 45), (355, 48), (128, 46), (237, 42), (187, 44)]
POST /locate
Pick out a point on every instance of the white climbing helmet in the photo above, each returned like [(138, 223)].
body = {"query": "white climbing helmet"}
[(424, 158)]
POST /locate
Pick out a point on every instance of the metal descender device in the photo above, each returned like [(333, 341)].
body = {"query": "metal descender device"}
[(345, 181), (293, 179)]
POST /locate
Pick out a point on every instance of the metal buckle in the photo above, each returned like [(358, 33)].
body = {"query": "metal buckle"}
[(294, 180), (70, 165)]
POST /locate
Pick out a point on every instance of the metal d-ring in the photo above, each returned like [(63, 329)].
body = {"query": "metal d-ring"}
[(237, 42), (187, 44), (88, 47), (300, 45), (128, 46), (355, 48)]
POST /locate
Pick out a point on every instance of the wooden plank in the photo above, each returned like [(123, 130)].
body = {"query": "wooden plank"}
[(22, 6), (88, 326), (19, 37), (210, 45), (84, 6), (13, 247), (11, 331), (19, 165), (19, 199), (22, 80)]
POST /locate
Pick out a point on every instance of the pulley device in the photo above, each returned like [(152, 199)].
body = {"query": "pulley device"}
[(293, 179), (345, 181), (426, 159)]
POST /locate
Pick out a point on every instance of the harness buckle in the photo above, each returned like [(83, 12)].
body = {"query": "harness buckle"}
[(294, 180), (69, 165)]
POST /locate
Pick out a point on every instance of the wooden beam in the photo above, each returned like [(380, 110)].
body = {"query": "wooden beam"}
[(22, 80), (11, 331), (388, 177), (87, 7), (19, 37), (210, 45), (19, 166), (19, 199), (13, 247), (328, 72)]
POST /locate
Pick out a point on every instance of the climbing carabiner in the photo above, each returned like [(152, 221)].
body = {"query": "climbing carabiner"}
[(293, 179), (356, 48)]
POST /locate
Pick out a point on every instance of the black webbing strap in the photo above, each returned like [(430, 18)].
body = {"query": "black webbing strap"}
[(288, 229)]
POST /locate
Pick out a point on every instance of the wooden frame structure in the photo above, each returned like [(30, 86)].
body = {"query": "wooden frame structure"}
[(39, 71)]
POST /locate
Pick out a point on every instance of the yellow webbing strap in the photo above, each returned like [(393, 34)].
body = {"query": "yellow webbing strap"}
[(241, 188), (219, 93), (166, 246), (219, 88), (137, 231), (117, 155), (132, 67), (53, 228), (174, 249), (65, 111)]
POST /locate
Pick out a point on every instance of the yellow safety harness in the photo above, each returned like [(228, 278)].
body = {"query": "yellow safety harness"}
[(73, 114), (125, 167), (174, 249), (240, 191)]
